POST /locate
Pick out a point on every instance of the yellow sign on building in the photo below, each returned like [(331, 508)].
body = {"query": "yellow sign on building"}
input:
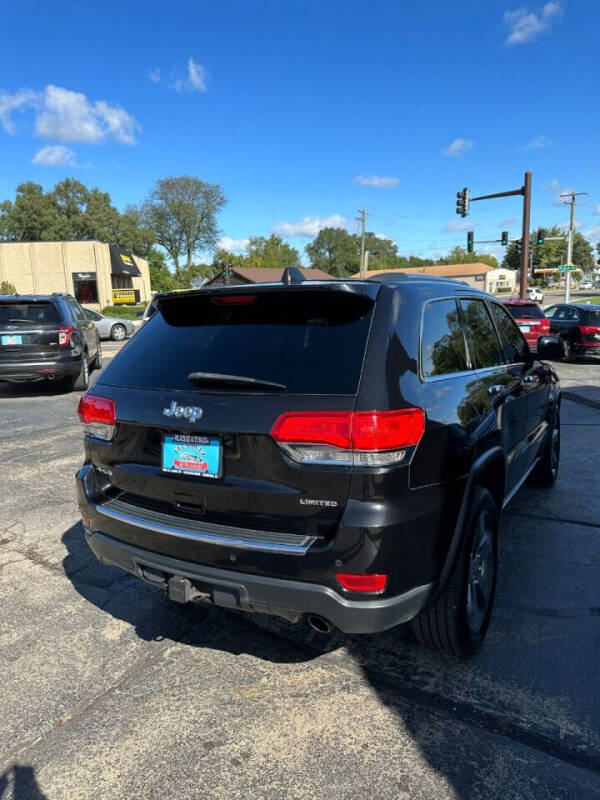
[(122, 297)]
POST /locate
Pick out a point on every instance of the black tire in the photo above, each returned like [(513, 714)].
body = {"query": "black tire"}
[(97, 362), (81, 381), (569, 352), (457, 623), (118, 332), (546, 470)]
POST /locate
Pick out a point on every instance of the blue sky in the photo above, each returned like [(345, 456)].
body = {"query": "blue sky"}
[(306, 111)]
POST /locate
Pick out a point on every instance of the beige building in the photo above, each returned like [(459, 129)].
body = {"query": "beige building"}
[(480, 276), (97, 274)]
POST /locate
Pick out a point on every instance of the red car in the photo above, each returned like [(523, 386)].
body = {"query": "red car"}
[(530, 318)]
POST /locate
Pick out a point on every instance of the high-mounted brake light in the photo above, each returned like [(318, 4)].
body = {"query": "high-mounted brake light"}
[(234, 299), (98, 415), (64, 335), (362, 583), (367, 438)]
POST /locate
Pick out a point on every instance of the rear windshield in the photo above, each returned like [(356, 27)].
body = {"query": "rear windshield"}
[(311, 341), (12, 313), (592, 317), (525, 312)]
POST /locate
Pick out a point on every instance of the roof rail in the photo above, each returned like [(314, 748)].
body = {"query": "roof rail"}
[(292, 275), (411, 276)]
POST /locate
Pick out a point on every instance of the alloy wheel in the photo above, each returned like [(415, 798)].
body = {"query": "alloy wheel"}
[(482, 570)]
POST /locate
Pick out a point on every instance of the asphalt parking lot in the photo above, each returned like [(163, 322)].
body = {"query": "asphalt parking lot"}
[(108, 691)]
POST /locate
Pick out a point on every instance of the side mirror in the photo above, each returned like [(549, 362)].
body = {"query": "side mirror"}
[(552, 348)]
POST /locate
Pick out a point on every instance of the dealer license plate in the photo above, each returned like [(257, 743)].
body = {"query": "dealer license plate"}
[(525, 328), (12, 338), (186, 454)]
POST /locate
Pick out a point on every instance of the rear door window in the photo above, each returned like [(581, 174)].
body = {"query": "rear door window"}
[(513, 342), (482, 341), (310, 341), (29, 314), (592, 317), (442, 344)]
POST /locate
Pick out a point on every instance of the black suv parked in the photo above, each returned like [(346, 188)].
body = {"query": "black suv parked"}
[(44, 337), (578, 325), (335, 450)]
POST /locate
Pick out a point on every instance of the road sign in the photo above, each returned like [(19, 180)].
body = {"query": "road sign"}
[(567, 268)]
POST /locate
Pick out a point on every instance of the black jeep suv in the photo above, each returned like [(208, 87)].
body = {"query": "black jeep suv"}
[(45, 337), (336, 450)]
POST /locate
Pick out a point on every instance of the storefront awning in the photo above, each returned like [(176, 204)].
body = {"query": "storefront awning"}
[(122, 263)]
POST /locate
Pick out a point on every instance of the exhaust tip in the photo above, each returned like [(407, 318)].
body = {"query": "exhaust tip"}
[(51, 376), (319, 624)]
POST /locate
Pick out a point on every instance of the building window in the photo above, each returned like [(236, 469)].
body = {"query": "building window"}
[(85, 287)]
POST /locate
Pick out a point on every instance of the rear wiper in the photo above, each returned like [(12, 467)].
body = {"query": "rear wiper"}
[(216, 379)]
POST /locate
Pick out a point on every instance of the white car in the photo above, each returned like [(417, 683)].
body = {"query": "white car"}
[(535, 294), (586, 285)]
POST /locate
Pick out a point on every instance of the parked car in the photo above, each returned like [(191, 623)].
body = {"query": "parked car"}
[(535, 294), (115, 328), (148, 312), (578, 325), (338, 451), (586, 285), (530, 318), (47, 337)]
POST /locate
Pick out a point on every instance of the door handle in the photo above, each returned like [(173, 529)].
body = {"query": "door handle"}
[(531, 380), (495, 389)]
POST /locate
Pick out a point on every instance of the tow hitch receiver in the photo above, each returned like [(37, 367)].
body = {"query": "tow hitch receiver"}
[(181, 590)]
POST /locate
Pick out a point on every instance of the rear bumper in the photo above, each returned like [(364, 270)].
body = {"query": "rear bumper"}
[(37, 369), (256, 593)]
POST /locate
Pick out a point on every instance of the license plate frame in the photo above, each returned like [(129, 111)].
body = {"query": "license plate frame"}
[(193, 455), (11, 339)]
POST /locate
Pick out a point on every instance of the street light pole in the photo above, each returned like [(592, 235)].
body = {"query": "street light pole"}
[(572, 202)]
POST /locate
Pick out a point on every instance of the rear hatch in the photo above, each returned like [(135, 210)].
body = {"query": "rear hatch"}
[(530, 318), (200, 387), (29, 330)]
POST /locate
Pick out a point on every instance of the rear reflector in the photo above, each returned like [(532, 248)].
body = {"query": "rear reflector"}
[(98, 415), (235, 299), (362, 583)]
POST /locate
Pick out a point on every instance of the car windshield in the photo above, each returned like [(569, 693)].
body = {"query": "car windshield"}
[(525, 311), (30, 313)]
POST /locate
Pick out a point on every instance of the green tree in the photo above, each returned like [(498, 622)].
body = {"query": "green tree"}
[(334, 250), (552, 253), (182, 212), (161, 280), (7, 288), (272, 252), (33, 216), (459, 255)]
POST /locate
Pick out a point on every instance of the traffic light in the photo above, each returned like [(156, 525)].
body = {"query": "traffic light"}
[(462, 202), (541, 235), (518, 247), (469, 241), (504, 239)]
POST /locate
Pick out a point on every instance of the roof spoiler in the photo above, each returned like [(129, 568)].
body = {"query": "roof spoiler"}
[(292, 275)]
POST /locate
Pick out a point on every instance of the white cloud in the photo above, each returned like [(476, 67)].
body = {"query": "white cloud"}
[(379, 181), (55, 156), (551, 185), (508, 222), (383, 236), (69, 116), (195, 79), (154, 75), (458, 146), (596, 209), (460, 225), (19, 101), (592, 233), (537, 142), (232, 245), (525, 25), (309, 226)]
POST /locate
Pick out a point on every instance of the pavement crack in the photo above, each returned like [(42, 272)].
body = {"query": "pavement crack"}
[(548, 518)]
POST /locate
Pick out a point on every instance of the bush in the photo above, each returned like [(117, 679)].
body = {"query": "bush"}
[(7, 288), (125, 312)]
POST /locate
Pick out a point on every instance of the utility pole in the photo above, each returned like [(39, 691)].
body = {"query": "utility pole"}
[(572, 202), (363, 221)]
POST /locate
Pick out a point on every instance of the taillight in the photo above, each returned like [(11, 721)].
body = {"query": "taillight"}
[(362, 583), (589, 329), (98, 415), (235, 299), (359, 438), (64, 335)]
